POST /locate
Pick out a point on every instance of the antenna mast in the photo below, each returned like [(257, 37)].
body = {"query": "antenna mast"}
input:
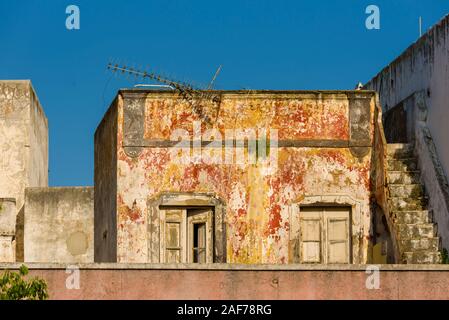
[(193, 96)]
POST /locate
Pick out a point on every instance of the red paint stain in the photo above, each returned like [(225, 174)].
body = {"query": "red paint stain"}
[(154, 160), (214, 178), (363, 173), (122, 156), (133, 214), (339, 127), (190, 178), (275, 219), (333, 156), (241, 228), (241, 212)]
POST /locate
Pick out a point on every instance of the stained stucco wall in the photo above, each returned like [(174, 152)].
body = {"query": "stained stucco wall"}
[(38, 147), (24, 140), (324, 149), (105, 177), (24, 147), (59, 225), (424, 66)]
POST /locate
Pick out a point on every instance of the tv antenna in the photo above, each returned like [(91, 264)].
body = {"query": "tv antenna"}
[(195, 97)]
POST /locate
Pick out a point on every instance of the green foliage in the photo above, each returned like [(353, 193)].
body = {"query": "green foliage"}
[(444, 256), (13, 286)]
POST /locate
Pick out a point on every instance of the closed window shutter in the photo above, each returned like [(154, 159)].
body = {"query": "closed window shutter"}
[(310, 240), (338, 240), (173, 246), (324, 235), (174, 236)]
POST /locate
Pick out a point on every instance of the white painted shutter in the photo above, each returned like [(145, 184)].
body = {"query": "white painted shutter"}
[(310, 237), (324, 235), (337, 235)]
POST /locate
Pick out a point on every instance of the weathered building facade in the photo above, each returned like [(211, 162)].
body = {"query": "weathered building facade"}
[(288, 190), (317, 175), (249, 177), (242, 176)]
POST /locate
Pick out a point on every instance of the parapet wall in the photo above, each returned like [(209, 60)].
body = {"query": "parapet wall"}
[(240, 282)]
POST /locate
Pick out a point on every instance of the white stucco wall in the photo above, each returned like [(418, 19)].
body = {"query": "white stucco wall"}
[(24, 152), (423, 66)]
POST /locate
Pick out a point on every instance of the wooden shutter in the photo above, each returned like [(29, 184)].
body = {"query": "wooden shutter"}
[(310, 236), (337, 235), (173, 236), (324, 235)]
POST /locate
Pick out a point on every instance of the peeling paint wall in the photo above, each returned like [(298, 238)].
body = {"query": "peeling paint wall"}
[(24, 148), (324, 148), (59, 225)]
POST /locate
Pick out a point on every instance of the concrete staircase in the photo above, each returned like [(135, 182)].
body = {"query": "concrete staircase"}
[(415, 232)]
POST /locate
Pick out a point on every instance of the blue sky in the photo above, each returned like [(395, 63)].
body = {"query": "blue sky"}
[(261, 45)]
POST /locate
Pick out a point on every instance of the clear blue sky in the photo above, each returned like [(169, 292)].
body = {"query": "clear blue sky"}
[(261, 45)]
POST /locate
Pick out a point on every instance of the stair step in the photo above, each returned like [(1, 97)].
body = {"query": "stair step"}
[(410, 217), (408, 164), (416, 234), (413, 245), (399, 150), (421, 257), (406, 190), (415, 231), (403, 177), (408, 204)]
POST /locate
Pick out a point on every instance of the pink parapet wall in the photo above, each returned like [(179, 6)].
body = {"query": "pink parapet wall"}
[(264, 282)]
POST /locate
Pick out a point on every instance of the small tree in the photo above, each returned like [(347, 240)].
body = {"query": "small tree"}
[(13, 286)]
